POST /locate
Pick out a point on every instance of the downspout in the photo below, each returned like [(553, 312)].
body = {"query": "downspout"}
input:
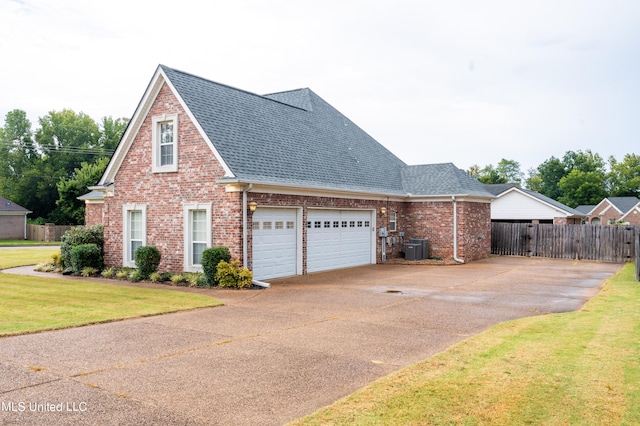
[(25, 226), (455, 230), (245, 236)]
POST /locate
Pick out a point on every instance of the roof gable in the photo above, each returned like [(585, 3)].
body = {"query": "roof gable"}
[(500, 190), (7, 206), (623, 204)]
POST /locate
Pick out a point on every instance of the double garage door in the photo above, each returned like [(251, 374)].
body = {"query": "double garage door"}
[(335, 239)]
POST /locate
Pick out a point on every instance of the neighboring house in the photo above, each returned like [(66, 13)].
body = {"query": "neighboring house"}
[(515, 204), (284, 180), (614, 210), (13, 221)]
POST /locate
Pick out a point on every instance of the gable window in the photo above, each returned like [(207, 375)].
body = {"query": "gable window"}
[(134, 218), (165, 143), (392, 222), (197, 236)]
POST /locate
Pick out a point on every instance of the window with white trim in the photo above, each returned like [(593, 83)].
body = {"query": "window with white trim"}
[(392, 221), (134, 218), (197, 236), (165, 143)]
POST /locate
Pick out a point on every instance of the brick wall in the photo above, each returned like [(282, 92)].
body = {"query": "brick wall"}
[(12, 227), (164, 194), (434, 221), (93, 214), (605, 216)]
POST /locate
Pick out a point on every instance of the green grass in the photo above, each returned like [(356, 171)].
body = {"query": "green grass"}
[(16, 243), (563, 369), (11, 258), (32, 304)]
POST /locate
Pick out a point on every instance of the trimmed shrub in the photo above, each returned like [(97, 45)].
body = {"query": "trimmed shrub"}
[(233, 275), (147, 260), (210, 259), (77, 236), (86, 255)]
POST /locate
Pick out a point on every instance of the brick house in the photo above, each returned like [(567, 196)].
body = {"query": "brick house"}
[(614, 210), (515, 204), (284, 180), (13, 220)]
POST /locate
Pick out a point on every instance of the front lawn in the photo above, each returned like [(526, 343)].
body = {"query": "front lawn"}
[(563, 369), (30, 304), (14, 257)]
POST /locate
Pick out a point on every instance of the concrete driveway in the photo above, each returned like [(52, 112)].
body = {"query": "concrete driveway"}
[(271, 356)]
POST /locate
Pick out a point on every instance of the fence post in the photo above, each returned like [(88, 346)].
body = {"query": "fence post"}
[(637, 253)]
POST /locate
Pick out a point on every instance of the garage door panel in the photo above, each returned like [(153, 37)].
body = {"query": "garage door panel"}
[(274, 245), (338, 239)]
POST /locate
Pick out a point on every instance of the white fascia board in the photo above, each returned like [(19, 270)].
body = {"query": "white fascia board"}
[(543, 202), (150, 94), (135, 123), (635, 208), (225, 167)]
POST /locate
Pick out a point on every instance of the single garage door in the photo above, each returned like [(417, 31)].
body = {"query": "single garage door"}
[(338, 239), (274, 246)]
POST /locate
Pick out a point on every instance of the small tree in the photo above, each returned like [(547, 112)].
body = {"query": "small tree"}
[(210, 259), (147, 260), (77, 236)]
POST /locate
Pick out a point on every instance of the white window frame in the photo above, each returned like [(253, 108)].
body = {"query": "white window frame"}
[(189, 266), (127, 255), (157, 166), (393, 220)]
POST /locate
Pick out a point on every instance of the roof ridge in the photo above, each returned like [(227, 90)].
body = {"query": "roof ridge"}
[(164, 67)]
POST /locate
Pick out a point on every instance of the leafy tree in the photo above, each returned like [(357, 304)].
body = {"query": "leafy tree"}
[(548, 175), (581, 187), (624, 176), (111, 131), (70, 210), (490, 175), (585, 161), (509, 170), (18, 155), (68, 139)]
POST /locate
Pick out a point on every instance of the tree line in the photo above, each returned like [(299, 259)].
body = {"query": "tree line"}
[(578, 178), (46, 169)]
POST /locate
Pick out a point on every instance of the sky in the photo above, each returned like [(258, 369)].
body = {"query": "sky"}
[(466, 82)]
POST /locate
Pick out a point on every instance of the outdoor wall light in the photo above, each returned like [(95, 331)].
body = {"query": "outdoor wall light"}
[(383, 210), (253, 206)]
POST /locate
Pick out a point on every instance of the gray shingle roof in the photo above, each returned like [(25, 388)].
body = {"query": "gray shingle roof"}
[(11, 207), (296, 138), (585, 208), (440, 179), (624, 204)]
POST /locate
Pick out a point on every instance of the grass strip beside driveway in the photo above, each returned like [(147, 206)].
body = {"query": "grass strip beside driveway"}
[(32, 304), (14, 257), (573, 368)]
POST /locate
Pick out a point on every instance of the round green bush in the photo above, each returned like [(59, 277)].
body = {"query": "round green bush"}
[(77, 236), (210, 259), (86, 256), (147, 260)]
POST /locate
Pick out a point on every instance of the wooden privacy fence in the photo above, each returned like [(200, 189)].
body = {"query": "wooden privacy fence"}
[(588, 242), (48, 232)]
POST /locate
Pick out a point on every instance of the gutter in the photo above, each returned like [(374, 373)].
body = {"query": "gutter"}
[(455, 230)]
